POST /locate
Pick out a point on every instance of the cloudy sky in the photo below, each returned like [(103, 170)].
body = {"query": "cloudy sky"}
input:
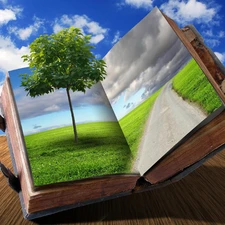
[(142, 61), (52, 110), (21, 21)]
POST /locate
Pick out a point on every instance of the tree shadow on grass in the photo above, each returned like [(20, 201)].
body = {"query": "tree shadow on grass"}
[(84, 143)]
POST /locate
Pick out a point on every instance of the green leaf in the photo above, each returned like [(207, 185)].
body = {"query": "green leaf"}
[(61, 60)]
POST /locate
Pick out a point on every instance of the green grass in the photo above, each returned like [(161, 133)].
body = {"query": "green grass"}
[(133, 123), (101, 149), (193, 85)]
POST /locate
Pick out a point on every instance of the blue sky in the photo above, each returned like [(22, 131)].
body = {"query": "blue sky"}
[(148, 56), (21, 21), (52, 110)]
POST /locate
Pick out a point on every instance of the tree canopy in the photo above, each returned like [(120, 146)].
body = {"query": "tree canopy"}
[(62, 60)]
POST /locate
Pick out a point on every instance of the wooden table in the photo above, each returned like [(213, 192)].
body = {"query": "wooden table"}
[(197, 199)]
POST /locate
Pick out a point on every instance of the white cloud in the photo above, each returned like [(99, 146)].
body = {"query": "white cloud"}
[(84, 23), (221, 56), (52, 108), (97, 38), (185, 11), (146, 4), (98, 56), (10, 55), (212, 42), (57, 28), (209, 33), (25, 33), (146, 63), (221, 34), (3, 1), (7, 15), (213, 39), (57, 101), (116, 37)]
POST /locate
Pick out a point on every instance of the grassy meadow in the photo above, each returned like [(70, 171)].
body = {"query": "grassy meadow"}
[(133, 124), (101, 149), (192, 84)]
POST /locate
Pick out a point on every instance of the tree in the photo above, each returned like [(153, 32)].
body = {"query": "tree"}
[(62, 60)]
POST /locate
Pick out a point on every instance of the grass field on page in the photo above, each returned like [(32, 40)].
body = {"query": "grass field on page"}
[(101, 149), (193, 85), (133, 123), (190, 83)]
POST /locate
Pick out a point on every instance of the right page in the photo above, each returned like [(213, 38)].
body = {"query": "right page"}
[(157, 90)]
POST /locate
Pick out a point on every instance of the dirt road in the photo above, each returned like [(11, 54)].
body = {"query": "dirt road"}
[(170, 120)]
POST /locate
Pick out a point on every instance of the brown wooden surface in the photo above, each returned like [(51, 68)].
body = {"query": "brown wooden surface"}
[(197, 199), (55, 195)]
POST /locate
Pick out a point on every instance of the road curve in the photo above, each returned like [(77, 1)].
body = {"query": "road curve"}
[(170, 120)]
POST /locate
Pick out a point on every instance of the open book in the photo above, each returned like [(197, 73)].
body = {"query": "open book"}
[(156, 117)]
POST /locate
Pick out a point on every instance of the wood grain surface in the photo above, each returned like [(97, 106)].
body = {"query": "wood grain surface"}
[(197, 199)]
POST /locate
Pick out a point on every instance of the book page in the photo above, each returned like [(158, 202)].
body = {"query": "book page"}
[(157, 91), (46, 122)]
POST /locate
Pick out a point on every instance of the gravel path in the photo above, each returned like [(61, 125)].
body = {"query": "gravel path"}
[(170, 120)]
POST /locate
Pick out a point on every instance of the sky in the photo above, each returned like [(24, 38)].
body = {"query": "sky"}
[(22, 21), (142, 61), (52, 110)]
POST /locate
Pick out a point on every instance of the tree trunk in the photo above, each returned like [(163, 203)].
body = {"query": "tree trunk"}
[(72, 115)]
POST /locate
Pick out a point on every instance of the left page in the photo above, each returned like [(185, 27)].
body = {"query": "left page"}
[(48, 132)]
